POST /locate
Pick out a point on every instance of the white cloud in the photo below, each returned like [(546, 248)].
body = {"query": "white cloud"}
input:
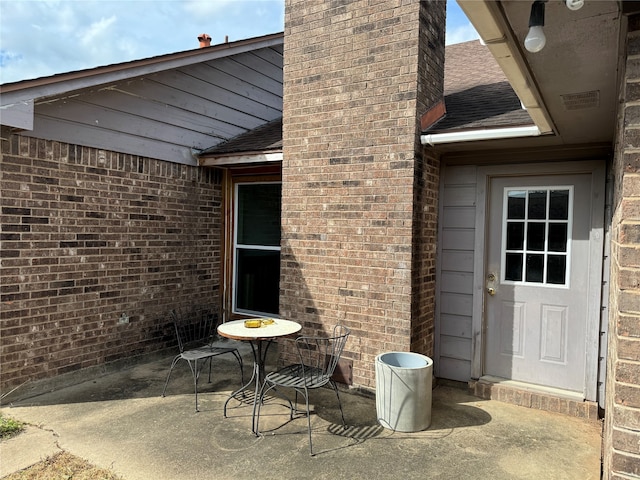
[(97, 30), (44, 37)]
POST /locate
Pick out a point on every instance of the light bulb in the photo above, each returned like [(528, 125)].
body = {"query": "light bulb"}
[(574, 4), (535, 39)]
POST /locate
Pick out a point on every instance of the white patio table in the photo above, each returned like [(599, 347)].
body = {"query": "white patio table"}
[(260, 339)]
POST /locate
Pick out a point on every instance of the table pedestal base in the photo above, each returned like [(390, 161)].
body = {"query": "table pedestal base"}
[(259, 348)]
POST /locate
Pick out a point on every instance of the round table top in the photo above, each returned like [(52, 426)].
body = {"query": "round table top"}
[(279, 328)]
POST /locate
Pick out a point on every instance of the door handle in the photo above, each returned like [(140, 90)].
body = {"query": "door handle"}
[(491, 281)]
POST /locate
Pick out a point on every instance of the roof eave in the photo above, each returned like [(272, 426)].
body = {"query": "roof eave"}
[(489, 21), (240, 158)]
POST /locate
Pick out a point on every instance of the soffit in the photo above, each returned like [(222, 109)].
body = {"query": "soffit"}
[(573, 80)]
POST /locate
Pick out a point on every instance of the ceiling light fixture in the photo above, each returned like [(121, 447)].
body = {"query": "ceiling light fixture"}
[(535, 39), (574, 4)]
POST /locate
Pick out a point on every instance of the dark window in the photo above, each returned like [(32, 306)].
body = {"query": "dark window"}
[(257, 248)]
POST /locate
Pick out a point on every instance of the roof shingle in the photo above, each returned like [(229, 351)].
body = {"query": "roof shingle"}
[(477, 93), (267, 137)]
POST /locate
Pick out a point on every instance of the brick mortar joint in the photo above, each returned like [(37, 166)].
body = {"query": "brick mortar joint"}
[(626, 453), (616, 243), (626, 337)]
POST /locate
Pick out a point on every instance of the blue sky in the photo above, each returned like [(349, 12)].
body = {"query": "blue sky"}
[(44, 37)]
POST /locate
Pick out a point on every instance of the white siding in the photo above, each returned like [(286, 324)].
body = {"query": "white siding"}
[(455, 273)]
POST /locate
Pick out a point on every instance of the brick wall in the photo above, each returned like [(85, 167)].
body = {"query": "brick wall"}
[(424, 258), (622, 424), (88, 235), (430, 91), (351, 213)]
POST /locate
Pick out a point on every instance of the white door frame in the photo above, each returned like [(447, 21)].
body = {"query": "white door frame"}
[(596, 242)]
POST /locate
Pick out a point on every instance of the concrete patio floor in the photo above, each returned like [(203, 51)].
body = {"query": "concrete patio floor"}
[(119, 421)]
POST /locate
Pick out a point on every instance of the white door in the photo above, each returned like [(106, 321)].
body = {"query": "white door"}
[(537, 279)]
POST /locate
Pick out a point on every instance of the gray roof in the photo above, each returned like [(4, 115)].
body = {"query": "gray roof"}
[(477, 93), (267, 137)]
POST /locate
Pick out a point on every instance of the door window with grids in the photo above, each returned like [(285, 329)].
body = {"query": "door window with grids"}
[(536, 236), (257, 248)]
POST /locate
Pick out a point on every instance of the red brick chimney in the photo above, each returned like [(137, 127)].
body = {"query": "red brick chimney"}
[(205, 40)]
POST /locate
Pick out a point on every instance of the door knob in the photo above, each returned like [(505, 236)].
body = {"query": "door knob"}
[(491, 281)]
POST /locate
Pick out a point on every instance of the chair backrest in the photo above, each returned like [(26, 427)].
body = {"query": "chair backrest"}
[(194, 327), (319, 356)]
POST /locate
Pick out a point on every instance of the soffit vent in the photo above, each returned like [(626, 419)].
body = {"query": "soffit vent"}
[(580, 101)]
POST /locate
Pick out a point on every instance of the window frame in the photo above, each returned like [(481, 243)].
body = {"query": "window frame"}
[(545, 252), (235, 246)]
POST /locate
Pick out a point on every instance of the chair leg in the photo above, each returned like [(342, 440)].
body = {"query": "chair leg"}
[(306, 398), (196, 374), (173, 364), (335, 389)]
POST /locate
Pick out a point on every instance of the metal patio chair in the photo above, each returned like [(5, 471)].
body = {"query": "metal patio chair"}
[(196, 331), (319, 357)]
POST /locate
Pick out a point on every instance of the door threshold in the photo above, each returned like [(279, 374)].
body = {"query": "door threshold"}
[(531, 387), (538, 397)]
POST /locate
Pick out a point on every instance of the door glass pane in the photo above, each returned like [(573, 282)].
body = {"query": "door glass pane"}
[(515, 205), (537, 205), (535, 266), (556, 269), (535, 236), (513, 267), (258, 280), (559, 205), (515, 235), (557, 237), (259, 207)]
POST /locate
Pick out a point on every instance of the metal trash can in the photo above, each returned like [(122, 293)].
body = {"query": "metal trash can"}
[(403, 391)]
